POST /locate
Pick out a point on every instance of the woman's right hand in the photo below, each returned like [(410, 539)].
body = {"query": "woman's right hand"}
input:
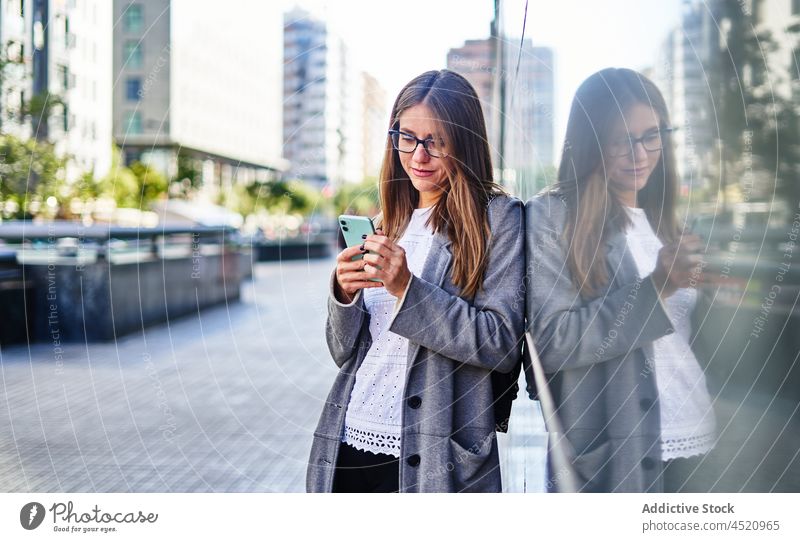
[(679, 265), (350, 275)]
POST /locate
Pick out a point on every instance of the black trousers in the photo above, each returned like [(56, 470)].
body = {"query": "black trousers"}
[(365, 472)]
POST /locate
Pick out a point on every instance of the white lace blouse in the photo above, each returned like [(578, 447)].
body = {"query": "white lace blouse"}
[(687, 418), (374, 413)]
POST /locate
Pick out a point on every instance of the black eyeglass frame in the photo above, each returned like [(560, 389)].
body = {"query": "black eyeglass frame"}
[(664, 131), (398, 133)]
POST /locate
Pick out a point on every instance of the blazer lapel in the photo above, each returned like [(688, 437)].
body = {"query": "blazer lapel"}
[(621, 266), (434, 271), (623, 269), (438, 260)]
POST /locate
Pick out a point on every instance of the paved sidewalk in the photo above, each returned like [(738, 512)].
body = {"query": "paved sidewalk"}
[(225, 400)]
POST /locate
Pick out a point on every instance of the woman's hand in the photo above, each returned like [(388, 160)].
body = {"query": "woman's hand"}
[(679, 265), (387, 263), (350, 275)]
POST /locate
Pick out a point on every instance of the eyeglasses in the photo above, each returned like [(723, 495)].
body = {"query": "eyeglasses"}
[(403, 142), (651, 142)]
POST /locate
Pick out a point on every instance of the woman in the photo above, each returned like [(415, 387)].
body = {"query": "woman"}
[(411, 409), (609, 302)]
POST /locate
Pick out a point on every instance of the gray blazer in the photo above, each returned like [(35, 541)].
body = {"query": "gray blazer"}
[(594, 353), (448, 439)]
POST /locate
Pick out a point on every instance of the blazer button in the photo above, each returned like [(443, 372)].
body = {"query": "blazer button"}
[(648, 463), (414, 401), (646, 404), (413, 460)]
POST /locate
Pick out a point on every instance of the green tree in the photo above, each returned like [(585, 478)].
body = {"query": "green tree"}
[(30, 172), (86, 187), (357, 199), (122, 186), (38, 111), (134, 187), (753, 120), (284, 197), (189, 176), (151, 184)]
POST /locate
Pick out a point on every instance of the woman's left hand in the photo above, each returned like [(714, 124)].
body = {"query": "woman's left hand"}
[(387, 263)]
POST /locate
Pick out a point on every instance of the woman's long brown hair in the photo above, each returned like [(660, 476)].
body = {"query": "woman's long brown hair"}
[(595, 213), (461, 211)]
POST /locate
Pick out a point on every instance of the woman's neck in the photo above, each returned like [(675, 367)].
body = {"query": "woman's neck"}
[(427, 200), (628, 199)]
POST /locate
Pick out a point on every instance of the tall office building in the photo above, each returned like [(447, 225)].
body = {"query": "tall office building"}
[(16, 82), (687, 62), (375, 124), (62, 57), (475, 60), (196, 79), (682, 74), (327, 105), (530, 121), (521, 133)]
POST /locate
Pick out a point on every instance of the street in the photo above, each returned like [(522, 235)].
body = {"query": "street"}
[(225, 401)]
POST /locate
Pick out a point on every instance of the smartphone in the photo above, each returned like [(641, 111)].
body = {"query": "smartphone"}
[(355, 229)]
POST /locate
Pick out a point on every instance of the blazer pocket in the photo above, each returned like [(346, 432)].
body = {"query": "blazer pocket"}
[(594, 468), (471, 452)]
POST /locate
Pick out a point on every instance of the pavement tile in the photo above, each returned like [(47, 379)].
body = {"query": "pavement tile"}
[(225, 400)]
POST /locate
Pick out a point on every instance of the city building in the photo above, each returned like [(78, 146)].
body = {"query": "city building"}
[(684, 71), (199, 82), (61, 53), (475, 60), (522, 132), (682, 74), (375, 124), (530, 120), (332, 111), (16, 82)]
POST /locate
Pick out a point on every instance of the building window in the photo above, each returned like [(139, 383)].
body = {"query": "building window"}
[(133, 54), (133, 87), (67, 79), (131, 156), (133, 18), (15, 51), (133, 123)]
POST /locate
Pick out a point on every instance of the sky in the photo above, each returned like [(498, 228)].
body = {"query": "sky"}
[(395, 41)]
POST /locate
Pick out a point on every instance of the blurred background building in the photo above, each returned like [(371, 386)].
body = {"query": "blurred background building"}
[(681, 74), (183, 88), (375, 122), (727, 68), (202, 137), (331, 108), (522, 130), (57, 87)]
